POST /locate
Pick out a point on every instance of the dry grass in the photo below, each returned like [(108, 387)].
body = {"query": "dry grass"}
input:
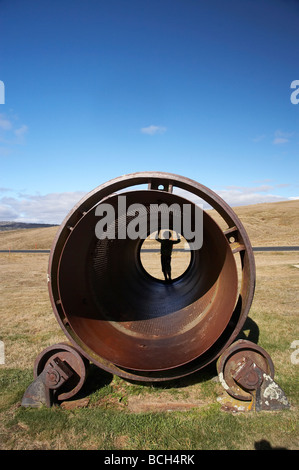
[(28, 325), (269, 224), (275, 306), (27, 320), (28, 239)]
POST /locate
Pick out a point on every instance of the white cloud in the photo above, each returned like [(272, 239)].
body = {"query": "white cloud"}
[(7, 213), (259, 138), (50, 208), (152, 130), (54, 207), (281, 137), (248, 196), (21, 131), (5, 123), (238, 195), (280, 140), (11, 133)]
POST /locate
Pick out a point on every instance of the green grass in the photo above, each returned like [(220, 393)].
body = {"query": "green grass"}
[(107, 424), (108, 429)]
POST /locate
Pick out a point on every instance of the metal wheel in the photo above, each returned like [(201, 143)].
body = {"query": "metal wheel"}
[(74, 360), (230, 360)]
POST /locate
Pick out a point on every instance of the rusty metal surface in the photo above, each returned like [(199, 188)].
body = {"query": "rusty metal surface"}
[(37, 394), (66, 369), (246, 372), (137, 327), (59, 374), (239, 368)]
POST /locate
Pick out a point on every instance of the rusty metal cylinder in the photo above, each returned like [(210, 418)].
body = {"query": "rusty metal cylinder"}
[(130, 323)]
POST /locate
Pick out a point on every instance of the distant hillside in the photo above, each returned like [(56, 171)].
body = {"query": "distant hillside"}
[(267, 224), (28, 239), (4, 226)]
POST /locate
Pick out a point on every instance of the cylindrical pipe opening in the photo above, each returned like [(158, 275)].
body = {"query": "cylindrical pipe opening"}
[(126, 317)]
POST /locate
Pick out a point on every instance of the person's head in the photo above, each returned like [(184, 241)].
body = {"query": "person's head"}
[(167, 235)]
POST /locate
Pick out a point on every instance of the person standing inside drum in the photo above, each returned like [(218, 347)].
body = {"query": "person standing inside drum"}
[(166, 252)]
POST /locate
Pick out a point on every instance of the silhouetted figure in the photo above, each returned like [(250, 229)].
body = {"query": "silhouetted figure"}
[(166, 252)]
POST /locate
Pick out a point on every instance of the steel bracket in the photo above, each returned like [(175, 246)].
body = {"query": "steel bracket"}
[(41, 392), (246, 372), (267, 395)]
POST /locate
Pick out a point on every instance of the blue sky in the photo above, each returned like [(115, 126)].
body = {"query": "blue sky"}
[(97, 89)]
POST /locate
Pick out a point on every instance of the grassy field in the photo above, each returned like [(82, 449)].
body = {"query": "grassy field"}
[(117, 414)]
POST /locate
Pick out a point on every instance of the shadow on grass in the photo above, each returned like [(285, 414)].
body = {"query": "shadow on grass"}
[(265, 445), (253, 329), (96, 379)]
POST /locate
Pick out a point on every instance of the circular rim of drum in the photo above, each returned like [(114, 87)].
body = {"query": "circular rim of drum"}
[(168, 181)]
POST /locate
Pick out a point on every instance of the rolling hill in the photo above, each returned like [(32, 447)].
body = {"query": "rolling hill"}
[(267, 224)]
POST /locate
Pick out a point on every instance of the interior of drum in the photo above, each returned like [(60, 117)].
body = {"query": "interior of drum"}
[(133, 319)]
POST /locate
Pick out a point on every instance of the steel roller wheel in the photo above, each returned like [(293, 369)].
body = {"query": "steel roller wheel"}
[(74, 360), (229, 362)]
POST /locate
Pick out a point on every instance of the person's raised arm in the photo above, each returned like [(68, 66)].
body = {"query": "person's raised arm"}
[(177, 240), (157, 237)]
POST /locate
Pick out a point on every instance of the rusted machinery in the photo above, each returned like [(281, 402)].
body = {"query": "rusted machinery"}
[(129, 323)]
